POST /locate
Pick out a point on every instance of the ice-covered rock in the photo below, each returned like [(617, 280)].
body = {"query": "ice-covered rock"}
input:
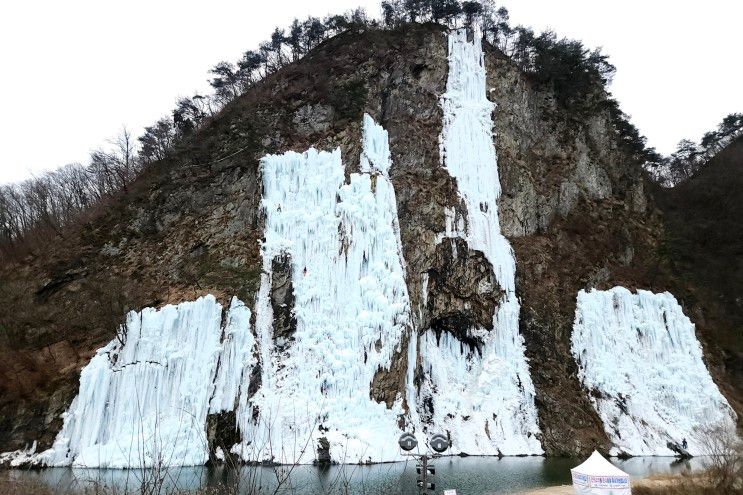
[(21, 457), (484, 397), (639, 357), (144, 402), (350, 303), (144, 398), (236, 359)]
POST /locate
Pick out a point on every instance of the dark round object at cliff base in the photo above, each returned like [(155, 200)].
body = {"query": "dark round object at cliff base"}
[(407, 441), (439, 443)]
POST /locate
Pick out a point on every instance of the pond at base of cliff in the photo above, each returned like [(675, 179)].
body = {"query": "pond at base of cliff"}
[(469, 476)]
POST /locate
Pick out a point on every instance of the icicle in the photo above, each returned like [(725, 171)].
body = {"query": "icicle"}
[(236, 358)]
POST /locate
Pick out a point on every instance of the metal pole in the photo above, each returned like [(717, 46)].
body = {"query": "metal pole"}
[(424, 473)]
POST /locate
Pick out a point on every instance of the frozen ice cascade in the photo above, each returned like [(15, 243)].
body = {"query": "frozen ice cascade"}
[(351, 306), (485, 399), (145, 397), (639, 354), (145, 402)]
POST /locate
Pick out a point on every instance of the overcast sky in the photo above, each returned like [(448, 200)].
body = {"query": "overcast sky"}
[(73, 72)]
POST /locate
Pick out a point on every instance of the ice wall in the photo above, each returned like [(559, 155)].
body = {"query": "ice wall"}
[(639, 356), (236, 359), (144, 398), (145, 402), (486, 401), (351, 306)]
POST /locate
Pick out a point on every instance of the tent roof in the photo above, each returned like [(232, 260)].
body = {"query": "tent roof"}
[(596, 465)]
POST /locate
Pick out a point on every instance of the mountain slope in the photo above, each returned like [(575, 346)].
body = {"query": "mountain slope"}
[(703, 246), (574, 207)]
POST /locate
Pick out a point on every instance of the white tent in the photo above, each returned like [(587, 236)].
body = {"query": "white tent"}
[(597, 476)]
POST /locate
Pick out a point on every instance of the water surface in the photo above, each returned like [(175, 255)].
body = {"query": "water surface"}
[(469, 476)]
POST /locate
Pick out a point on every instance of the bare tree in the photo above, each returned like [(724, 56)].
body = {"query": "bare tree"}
[(724, 461)]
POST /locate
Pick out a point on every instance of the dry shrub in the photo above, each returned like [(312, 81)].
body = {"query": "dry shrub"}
[(722, 474), (724, 458), (679, 486)]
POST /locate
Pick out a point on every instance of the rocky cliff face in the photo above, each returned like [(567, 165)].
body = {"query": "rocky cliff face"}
[(574, 206)]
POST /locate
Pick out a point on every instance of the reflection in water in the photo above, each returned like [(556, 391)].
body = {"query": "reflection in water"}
[(470, 476), (644, 466)]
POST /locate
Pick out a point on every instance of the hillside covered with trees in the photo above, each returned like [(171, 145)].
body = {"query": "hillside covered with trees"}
[(187, 212), (44, 205), (689, 156)]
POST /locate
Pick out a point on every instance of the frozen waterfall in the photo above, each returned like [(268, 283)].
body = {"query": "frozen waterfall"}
[(145, 397), (145, 402), (351, 307), (639, 356), (332, 261), (486, 400)]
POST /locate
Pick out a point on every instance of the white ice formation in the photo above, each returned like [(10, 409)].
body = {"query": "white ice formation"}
[(485, 399), (640, 358), (21, 457), (351, 307), (144, 399), (145, 402)]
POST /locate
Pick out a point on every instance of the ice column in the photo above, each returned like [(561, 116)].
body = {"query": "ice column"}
[(486, 400), (351, 307), (145, 402), (639, 356), (236, 359)]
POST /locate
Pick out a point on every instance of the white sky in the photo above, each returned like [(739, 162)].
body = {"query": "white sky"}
[(73, 72)]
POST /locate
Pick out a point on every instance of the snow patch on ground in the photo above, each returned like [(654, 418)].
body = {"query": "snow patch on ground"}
[(639, 354), (484, 399)]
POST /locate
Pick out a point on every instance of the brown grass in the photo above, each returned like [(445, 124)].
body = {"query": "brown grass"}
[(684, 484), (34, 487)]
